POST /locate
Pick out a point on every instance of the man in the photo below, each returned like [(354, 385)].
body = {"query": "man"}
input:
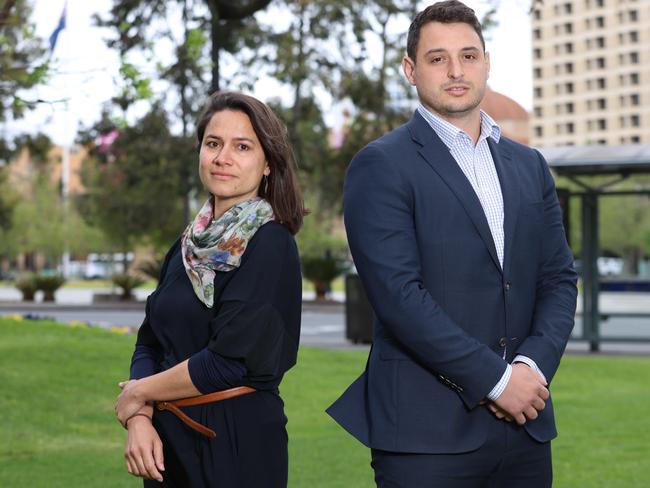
[(457, 235)]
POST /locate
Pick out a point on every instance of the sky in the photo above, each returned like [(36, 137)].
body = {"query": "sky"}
[(86, 70)]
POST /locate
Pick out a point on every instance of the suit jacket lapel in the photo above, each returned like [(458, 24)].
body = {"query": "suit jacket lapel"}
[(437, 155), (509, 178)]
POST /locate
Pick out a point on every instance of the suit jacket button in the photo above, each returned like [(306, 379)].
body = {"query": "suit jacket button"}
[(507, 286), (503, 341)]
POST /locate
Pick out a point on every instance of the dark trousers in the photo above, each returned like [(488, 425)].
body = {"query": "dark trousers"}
[(510, 458)]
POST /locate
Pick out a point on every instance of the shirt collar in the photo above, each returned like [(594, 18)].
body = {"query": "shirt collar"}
[(449, 133)]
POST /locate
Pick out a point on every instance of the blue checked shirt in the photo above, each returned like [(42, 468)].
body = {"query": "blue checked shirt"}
[(476, 163)]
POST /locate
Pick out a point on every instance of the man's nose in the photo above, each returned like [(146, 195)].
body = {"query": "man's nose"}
[(455, 69)]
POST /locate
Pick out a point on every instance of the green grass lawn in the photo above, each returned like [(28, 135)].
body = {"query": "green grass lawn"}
[(59, 382)]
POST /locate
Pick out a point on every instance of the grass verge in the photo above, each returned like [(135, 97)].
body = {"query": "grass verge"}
[(59, 382)]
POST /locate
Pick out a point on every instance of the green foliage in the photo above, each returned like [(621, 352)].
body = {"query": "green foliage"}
[(316, 238), (23, 64), (136, 192), (127, 283)]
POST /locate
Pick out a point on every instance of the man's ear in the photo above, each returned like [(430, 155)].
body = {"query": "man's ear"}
[(408, 66)]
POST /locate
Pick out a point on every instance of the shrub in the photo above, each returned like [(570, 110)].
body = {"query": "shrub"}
[(49, 284), (127, 282), (26, 283)]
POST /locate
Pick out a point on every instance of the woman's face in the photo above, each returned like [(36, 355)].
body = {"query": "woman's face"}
[(231, 159)]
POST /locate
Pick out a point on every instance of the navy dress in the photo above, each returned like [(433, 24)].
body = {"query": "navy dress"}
[(255, 321)]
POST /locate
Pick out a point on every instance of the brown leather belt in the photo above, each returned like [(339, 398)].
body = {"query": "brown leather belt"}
[(217, 396)]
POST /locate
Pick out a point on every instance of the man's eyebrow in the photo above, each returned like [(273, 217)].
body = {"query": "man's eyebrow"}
[(437, 50)]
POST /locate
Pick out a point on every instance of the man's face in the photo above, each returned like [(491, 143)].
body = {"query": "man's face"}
[(450, 71)]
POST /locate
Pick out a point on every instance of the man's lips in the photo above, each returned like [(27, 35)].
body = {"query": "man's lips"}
[(457, 89)]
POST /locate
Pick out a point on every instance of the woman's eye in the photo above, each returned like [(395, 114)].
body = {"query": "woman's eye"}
[(243, 147), (212, 144)]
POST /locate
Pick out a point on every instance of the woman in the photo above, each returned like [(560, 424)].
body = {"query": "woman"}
[(226, 313)]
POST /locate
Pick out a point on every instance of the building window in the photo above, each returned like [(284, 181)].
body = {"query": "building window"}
[(537, 14), (634, 57), (601, 142), (600, 3), (568, 47), (539, 131), (538, 92), (634, 78), (568, 67), (601, 124), (635, 99), (568, 8), (600, 42), (538, 111), (600, 63), (568, 28), (635, 120), (568, 87), (635, 139), (633, 15), (601, 83), (537, 53), (600, 22), (537, 33), (537, 72), (601, 103), (569, 107), (570, 127), (634, 36)]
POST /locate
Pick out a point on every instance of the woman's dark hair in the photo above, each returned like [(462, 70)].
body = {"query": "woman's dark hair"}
[(282, 190), (447, 12)]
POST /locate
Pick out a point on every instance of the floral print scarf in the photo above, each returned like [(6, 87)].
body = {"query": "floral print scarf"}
[(208, 245)]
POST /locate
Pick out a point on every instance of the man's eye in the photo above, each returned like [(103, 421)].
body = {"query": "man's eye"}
[(437, 59), (470, 57)]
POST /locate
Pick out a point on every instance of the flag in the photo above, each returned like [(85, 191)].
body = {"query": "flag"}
[(59, 27)]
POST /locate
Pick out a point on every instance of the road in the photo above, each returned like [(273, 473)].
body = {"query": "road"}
[(324, 325)]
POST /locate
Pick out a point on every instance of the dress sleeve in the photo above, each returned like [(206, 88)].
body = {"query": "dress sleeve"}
[(258, 320), (146, 357)]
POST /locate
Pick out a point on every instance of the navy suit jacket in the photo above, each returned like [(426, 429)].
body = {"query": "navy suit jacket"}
[(445, 310)]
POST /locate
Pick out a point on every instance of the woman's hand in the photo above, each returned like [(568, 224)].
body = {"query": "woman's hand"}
[(144, 451), (129, 402)]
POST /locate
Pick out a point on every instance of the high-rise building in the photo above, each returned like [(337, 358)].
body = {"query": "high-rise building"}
[(591, 72)]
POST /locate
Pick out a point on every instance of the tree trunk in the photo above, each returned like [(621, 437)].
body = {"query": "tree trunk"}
[(216, 47)]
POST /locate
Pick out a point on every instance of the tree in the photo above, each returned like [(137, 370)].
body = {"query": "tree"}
[(22, 59), (135, 188), (138, 23)]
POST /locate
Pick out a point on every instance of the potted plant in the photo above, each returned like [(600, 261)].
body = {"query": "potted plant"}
[(49, 284), (127, 282), (321, 271), (26, 283)]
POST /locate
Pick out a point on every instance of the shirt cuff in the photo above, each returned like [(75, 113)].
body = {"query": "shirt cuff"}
[(532, 364), (501, 385)]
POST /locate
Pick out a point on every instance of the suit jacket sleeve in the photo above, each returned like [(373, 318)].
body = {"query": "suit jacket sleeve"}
[(556, 291), (379, 219)]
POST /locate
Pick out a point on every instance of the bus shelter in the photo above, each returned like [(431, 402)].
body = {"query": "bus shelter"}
[(581, 164)]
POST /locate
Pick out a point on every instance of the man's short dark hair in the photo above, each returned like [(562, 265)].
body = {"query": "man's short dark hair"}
[(447, 12)]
